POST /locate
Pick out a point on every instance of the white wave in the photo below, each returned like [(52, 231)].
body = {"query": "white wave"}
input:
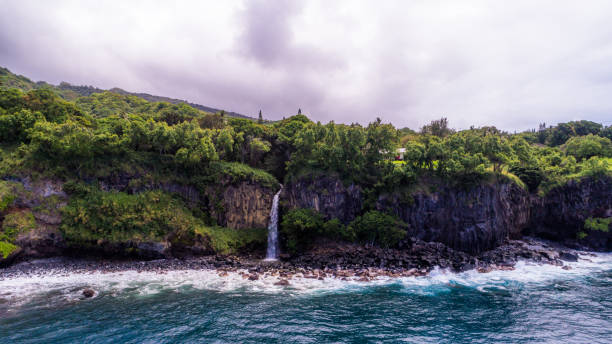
[(69, 286), (524, 273)]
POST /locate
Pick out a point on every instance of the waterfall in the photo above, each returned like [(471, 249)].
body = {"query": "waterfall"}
[(272, 252)]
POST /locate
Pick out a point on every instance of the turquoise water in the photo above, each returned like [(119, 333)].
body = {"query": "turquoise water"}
[(533, 304)]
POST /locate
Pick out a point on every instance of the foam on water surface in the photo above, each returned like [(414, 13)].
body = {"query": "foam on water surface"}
[(56, 285)]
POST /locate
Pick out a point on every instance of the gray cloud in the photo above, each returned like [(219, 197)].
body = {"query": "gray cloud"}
[(512, 65), (267, 32)]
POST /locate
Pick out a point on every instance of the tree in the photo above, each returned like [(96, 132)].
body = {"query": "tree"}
[(300, 227), (606, 132), (437, 128), (378, 228), (497, 150), (198, 155), (258, 147), (225, 143), (584, 147)]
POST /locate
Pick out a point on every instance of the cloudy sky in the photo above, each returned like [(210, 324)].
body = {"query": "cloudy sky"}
[(512, 64)]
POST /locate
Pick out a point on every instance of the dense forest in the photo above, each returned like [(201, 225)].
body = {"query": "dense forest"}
[(83, 139)]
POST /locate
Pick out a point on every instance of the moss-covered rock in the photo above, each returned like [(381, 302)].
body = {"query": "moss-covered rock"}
[(17, 222)]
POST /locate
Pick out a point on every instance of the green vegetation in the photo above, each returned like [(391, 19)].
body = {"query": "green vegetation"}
[(6, 248), (228, 241), (598, 224), (118, 217), (89, 138), (595, 224), (93, 217), (301, 226), (7, 194), (15, 223), (585, 147), (237, 172), (378, 228)]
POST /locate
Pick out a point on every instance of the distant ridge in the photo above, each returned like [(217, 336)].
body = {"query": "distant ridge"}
[(71, 92)]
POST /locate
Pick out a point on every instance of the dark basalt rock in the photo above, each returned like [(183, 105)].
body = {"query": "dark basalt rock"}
[(325, 194), (568, 256), (560, 215), (88, 293), (472, 221)]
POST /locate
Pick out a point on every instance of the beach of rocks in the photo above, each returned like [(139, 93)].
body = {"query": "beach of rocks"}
[(354, 263)]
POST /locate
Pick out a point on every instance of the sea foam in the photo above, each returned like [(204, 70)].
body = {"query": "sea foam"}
[(60, 285)]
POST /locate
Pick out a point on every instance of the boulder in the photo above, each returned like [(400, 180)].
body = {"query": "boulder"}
[(282, 282), (568, 256)]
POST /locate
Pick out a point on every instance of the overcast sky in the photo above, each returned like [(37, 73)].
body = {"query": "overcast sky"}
[(511, 64)]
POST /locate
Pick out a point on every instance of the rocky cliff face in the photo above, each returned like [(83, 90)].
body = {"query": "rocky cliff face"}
[(245, 205), (327, 195), (472, 221), (238, 206), (35, 213), (561, 214)]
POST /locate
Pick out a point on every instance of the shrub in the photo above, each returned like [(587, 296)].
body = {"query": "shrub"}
[(532, 176), (375, 227), (15, 223), (596, 167), (299, 227), (584, 147), (598, 224), (334, 229), (228, 241), (6, 248), (239, 172), (7, 194), (119, 217)]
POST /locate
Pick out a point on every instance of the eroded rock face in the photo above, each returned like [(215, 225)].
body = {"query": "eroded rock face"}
[(43, 241), (41, 201), (473, 221), (327, 195), (245, 205), (560, 215), (234, 205)]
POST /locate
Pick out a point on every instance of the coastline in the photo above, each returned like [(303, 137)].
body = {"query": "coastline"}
[(347, 263)]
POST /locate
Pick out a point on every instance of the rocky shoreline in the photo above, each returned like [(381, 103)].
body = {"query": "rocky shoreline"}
[(348, 262)]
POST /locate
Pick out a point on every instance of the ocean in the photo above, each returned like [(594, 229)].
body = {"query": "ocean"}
[(532, 304)]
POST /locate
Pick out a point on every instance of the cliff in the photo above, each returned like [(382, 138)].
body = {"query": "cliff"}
[(472, 220), (325, 194), (31, 215), (237, 205), (561, 214), (240, 206)]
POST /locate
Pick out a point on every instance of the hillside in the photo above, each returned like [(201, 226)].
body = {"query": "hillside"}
[(71, 92)]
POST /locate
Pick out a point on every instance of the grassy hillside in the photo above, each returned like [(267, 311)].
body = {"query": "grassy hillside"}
[(72, 92)]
